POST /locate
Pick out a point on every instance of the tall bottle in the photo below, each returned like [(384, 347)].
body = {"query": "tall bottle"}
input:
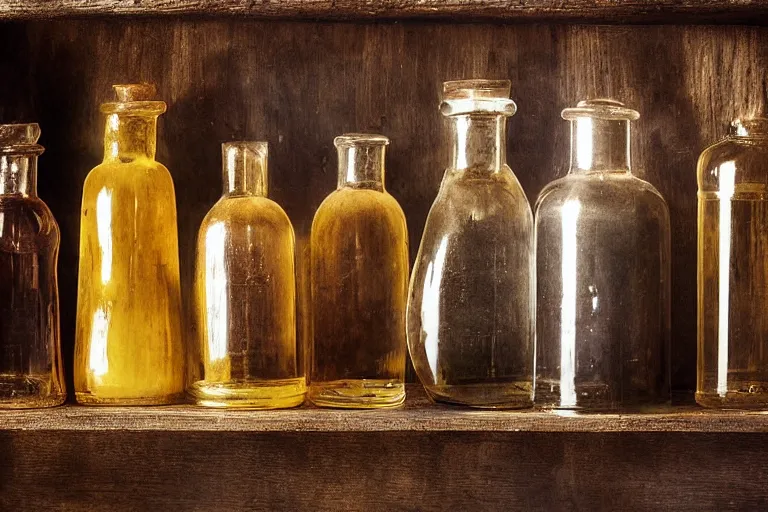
[(31, 373), (359, 281), (128, 347), (733, 269), (471, 302), (245, 292), (603, 255)]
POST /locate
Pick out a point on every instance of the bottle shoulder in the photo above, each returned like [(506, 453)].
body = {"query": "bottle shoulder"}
[(246, 212), (733, 161), (116, 174), (26, 224), (356, 203)]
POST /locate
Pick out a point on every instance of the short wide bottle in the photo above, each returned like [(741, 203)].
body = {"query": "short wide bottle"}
[(359, 280), (245, 292), (471, 300), (603, 256), (733, 269), (128, 345), (31, 372)]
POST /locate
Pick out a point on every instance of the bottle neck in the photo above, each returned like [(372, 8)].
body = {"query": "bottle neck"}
[(18, 175), (599, 145), (244, 169), (479, 143), (362, 166), (130, 137)]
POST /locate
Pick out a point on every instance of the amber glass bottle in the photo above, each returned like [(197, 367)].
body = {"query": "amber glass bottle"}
[(603, 256), (245, 292), (359, 260), (733, 269), (471, 299), (30, 355), (128, 341)]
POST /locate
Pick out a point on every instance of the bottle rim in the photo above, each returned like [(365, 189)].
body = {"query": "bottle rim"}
[(607, 109), (20, 138), (477, 96), (135, 99), (751, 127), (360, 139)]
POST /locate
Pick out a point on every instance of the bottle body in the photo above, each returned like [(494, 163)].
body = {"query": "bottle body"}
[(471, 300), (359, 280), (128, 342), (732, 272), (128, 339), (603, 274), (245, 304)]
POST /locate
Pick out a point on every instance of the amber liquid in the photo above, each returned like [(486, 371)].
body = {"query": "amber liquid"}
[(246, 307), (359, 253), (733, 299), (128, 345), (30, 368)]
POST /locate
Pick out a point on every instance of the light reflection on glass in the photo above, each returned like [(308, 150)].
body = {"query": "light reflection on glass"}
[(462, 130), (104, 232), (98, 360), (584, 142), (571, 210), (727, 174), (216, 292), (430, 310)]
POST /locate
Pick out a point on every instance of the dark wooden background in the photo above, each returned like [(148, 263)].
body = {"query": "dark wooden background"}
[(298, 84)]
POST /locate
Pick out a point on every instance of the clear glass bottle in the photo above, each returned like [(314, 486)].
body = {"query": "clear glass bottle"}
[(733, 269), (471, 302), (31, 373), (128, 346), (603, 273), (245, 292), (359, 281)]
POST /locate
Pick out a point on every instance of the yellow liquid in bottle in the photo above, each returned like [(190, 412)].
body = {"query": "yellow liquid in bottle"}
[(359, 253), (129, 345), (246, 307), (733, 298)]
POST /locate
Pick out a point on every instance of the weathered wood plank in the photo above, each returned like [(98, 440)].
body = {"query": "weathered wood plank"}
[(610, 11)]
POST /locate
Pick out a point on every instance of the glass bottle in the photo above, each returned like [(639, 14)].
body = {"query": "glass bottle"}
[(359, 281), (31, 373), (471, 299), (603, 272), (128, 346), (245, 292), (733, 269)]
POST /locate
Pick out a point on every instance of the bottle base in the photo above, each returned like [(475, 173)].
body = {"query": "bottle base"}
[(755, 400), (357, 394), (28, 392), (84, 398), (597, 398), (508, 395), (265, 394)]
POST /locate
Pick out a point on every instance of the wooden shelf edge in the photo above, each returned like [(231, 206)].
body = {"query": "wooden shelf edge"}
[(590, 11), (418, 415)]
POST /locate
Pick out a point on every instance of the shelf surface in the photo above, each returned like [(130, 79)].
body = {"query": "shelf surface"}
[(613, 11), (417, 415)]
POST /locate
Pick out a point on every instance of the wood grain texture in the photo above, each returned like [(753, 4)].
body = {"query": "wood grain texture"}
[(418, 415), (372, 471), (609, 11), (298, 84)]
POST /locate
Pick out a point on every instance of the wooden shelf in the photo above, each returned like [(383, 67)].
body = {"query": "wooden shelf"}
[(612, 11), (418, 415)]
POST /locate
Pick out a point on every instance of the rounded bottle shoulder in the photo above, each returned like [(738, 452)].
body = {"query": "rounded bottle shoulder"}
[(350, 202), (247, 211), (112, 173), (733, 161), (27, 224)]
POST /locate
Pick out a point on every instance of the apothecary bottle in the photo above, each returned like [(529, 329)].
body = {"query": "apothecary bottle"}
[(603, 257), (359, 281), (128, 346), (733, 269), (245, 292), (471, 299), (31, 373)]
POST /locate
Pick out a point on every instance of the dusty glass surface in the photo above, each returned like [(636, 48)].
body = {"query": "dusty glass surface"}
[(359, 281), (603, 273), (733, 269), (31, 373), (245, 292), (128, 345), (471, 299)]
